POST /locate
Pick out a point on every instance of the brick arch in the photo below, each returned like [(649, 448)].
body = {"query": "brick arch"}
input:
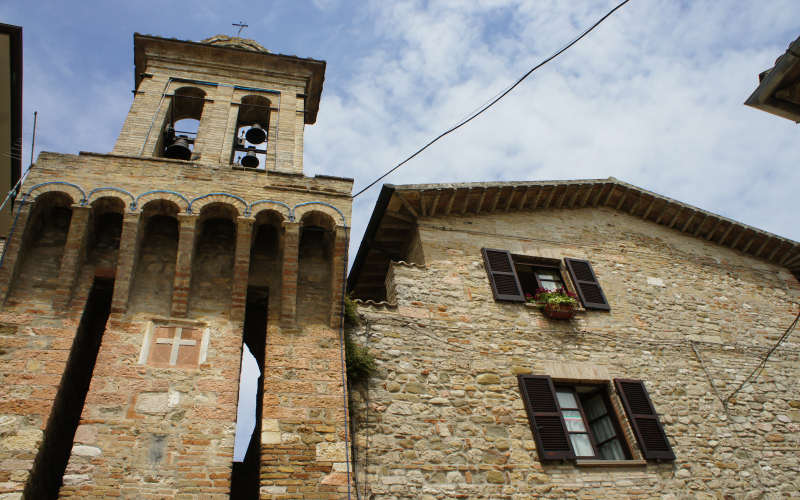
[(218, 210), (105, 204), (103, 192), (278, 206), (198, 204), (72, 191), (160, 206), (331, 214), (162, 194)]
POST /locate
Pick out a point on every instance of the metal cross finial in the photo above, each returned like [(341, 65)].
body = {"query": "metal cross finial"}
[(241, 25)]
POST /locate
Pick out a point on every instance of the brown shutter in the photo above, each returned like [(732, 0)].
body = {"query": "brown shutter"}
[(585, 281), (502, 275), (644, 420), (544, 417)]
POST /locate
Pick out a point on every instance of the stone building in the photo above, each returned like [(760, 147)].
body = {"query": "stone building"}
[(645, 393), (131, 280)]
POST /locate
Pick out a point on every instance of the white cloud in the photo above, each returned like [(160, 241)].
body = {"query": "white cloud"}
[(653, 97)]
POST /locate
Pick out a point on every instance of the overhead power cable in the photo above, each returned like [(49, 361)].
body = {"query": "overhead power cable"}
[(496, 99)]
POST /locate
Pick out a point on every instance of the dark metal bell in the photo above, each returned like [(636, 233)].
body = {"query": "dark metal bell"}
[(250, 160), (179, 149), (256, 134)]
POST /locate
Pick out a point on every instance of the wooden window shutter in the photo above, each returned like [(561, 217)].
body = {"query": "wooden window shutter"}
[(644, 420), (502, 275), (544, 417), (585, 281)]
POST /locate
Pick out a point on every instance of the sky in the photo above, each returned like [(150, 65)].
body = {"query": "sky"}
[(652, 97)]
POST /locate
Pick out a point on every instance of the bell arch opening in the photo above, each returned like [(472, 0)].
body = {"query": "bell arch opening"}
[(181, 125), (251, 136)]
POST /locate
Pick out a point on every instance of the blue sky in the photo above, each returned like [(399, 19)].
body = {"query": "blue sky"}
[(652, 97)]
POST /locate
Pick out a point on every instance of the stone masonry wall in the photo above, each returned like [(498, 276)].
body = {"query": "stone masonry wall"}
[(444, 418)]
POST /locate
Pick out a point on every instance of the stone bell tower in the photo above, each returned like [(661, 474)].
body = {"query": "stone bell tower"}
[(135, 285)]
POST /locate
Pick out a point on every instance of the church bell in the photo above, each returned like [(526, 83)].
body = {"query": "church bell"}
[(256, 134), (250, 160), (179, 149)]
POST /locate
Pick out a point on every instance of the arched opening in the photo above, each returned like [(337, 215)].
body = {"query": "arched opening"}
[(212, 263), (42, 247), (158, 251), (106, 230), (266, 255), (252, 133), (315, 258), (181, 125)]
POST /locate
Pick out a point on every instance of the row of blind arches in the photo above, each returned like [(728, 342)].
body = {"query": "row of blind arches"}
[(182, 123), (46, 232)]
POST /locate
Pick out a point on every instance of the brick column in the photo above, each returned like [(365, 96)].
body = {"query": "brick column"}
[(126, 261), (14, 242), (74, 253), (241, 266), (183, 265), (340, 240), (291, 243)]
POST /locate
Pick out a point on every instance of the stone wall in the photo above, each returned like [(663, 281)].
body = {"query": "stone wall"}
[(443, 418)]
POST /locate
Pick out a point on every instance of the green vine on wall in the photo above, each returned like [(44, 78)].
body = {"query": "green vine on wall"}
[(360, 363)]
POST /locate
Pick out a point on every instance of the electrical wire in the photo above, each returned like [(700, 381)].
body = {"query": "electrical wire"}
[(496, 99), (758, 369)]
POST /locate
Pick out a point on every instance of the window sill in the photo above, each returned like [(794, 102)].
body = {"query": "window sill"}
[(610, 463)]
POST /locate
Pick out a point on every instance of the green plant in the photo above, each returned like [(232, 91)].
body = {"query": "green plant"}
[(558, 297), (350, 311), (360, 363)]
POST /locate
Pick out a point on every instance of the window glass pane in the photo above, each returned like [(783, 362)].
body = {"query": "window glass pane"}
[(602, 429), (581, 445), (594, 407), (574, 420), (544, 275), (566, 399), (550, 285), (612, 450)]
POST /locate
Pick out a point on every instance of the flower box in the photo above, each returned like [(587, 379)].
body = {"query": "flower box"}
[(559, 311)]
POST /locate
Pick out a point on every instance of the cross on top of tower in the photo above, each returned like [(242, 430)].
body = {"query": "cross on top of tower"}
[(241, 25)]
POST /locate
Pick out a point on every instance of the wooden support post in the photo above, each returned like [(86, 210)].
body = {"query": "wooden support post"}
[(183, 265)]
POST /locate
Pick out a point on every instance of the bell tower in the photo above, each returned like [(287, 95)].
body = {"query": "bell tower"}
[(176, 304), (224, 101)]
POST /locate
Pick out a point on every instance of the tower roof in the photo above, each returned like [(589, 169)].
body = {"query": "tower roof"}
[(235, 43)]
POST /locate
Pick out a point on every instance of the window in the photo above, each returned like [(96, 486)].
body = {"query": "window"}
[(512, 276), (578, 421), (252, 133), (182, 123)]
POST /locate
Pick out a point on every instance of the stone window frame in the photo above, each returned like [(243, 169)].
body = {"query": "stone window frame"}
[(621, 415), (149, 334)]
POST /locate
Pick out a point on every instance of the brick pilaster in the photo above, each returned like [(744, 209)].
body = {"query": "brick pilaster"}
[(291, 243), (74, 254), (14, 241), (337, 274), (241, 266), (126, 261), (183, 265)]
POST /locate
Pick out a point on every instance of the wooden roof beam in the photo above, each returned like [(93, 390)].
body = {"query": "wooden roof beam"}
[(699, 226), (406, 203), (649, 208), (480, 201), (588, 195), (449, 206), (510, 199), (497, 195), (435, 204), (523, 198), (725, 234)]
